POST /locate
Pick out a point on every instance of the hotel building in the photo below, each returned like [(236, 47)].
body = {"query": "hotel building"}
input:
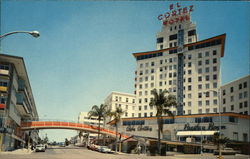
[(124, 100), (16, 103), (183, 65), (235, 96)]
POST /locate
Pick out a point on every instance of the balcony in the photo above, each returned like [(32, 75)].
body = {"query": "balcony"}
[(22, 104)]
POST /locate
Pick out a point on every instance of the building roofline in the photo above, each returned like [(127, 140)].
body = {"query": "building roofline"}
[(238, 79), (222, 36)]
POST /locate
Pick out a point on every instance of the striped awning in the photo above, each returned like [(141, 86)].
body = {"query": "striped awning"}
[(195, 133)]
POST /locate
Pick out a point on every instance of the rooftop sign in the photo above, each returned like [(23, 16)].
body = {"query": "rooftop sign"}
[(176, 14)]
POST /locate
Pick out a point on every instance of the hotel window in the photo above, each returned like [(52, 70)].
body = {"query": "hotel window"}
[(170, 45), (245, 104), (206, 53), (207, 77), (152, 63), (241, 105), (215, 68), (170, 67), (189, 111), (141, 65), (140, 93), (215, 93), (207, 110), (231, 98), (245, 94), (215, 85), (215, 102), (200, 71), (116, 98), (199, 86), (146, 71), (139, 107), (235, 136), (189, 87), (189, 80), (246, 112), (170, 60), (140, 79), (145, 114), (224, 109), (175, 74), (240, 86), (245, 138), (200, 103), (133, 100), (245, 84), (170, 75), (214, 77), (207, 102), (199, 95), (223, 92), (189, 96), (189, 64), (146, 64), (214, 52), (160, 40), (189, 104), (215, 110), (173, 37), (231, 89), (146, 78), (175, 67), (199, 63), (145, 100), (133, 107), (175, 44), (161, 46), (151, 107), (200, 78), (174, 82), (240, 95), (152, 85), (207, 94), (189, 72), (126, 114), (139, 100), (200, 55), (207, 62), (161, 69), (232, 107), (152, 70), (200, 111), (146, 92), (161, 61), (215, 60), (140, 86), (207, 69), (189, 57), (139, 115), (133, 115), (170, 82), (207, 86), (224, 100), (152, 77), (189, 40), (151, 114), (145, 107)]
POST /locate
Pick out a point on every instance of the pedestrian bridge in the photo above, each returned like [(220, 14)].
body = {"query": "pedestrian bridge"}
[(31, 125)]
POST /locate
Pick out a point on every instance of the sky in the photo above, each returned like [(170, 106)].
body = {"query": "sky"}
[(85, 48)]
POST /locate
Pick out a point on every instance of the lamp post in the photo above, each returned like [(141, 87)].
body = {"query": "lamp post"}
[(33, 33)]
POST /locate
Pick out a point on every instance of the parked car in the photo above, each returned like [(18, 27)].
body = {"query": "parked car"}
[(104, 149), (226, 151), (40, 148)]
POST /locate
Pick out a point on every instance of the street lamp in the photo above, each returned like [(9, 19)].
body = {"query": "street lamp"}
[(33, 33)]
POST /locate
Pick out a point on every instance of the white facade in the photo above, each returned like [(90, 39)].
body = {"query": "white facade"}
[(83, 118), (124, 100), (190, 70), (235, 96)]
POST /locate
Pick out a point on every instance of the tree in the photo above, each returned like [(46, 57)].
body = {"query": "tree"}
[(116, 115), (100, 113), (162, 103), (219, 140)]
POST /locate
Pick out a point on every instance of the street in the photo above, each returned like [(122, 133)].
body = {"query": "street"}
[(83, 153)]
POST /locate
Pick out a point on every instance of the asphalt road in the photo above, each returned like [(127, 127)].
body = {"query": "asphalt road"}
[(83, 153)]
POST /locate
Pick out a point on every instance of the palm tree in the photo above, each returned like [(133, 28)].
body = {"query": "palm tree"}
[(219, 140), (162, 104), (116, 115), (98, 112)]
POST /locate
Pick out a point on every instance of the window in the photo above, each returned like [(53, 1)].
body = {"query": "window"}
[(240, 96), (200, 55), (189, 80), (207, 94), (139, 114), (207, 102), (245, 84), (232, 107), (224, 100), (139, 107), (207, 62), (224, 92), (207, 110), (170, 45), (200, 78), (207, 86), (214, 77), (200, 103), (189, 57), (200, 111), (189, 96), (189, 64), (152, 63), (192, 32), (145, 114), (152, 77), (245, 104), (189, 72), (215, 60), (240, 86), (214, 52), (231, 89), (215, 85), (241, 105), (206, 53), (189, 87), (207, 77), (231, 98), (152, 70), (200, 71), (207, 69), (189, 111), (215, 110), (199, 86), (199, 95), (215, 68), (245, 94), (151, 114), (160, 40), (235, 136), (172, 37), (199, 63), (215, 102)]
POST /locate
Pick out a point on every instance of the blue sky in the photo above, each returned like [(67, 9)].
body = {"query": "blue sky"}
[(85, 48)]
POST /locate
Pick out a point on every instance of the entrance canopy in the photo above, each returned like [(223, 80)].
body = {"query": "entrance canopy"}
[(195, 133)]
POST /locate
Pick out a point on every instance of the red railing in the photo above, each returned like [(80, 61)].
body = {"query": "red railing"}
[(67, 125)]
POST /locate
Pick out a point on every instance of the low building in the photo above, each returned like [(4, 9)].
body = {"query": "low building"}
[(124, 100), (235, 96), (17, 103)]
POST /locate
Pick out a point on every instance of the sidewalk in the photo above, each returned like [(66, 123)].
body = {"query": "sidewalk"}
[(18, 151)]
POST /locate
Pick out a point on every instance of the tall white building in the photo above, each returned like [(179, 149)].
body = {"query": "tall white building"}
[(186, 67), (124, 100), (83, 118), (235, 96)]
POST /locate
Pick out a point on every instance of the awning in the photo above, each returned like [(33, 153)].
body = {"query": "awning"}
[(195, 133)]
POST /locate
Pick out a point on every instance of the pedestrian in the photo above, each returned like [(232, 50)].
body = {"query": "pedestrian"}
[(139, 149)]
